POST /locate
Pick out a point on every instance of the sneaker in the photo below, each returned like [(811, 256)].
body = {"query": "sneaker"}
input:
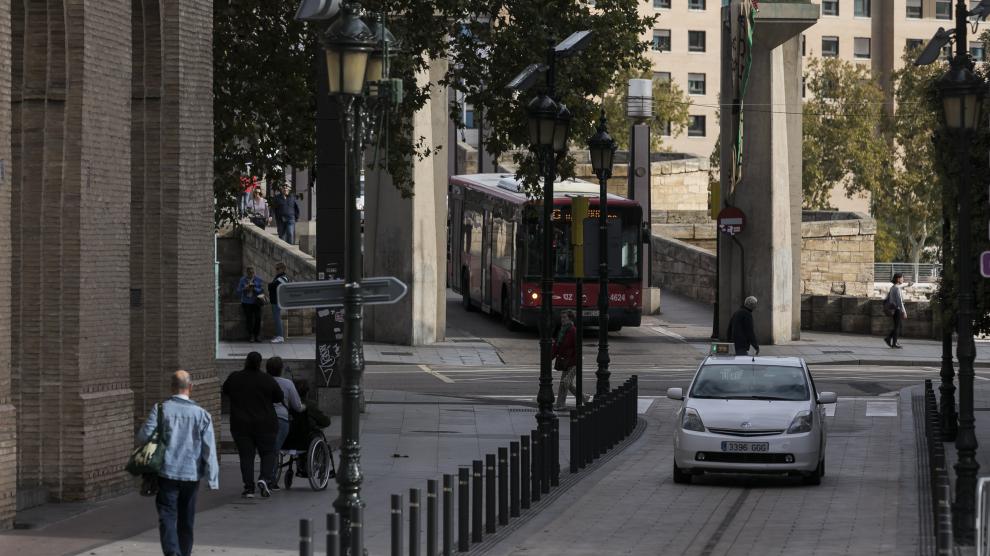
[(278, 340), (897, 346), (263, 488), (248, 493), (887, 341)]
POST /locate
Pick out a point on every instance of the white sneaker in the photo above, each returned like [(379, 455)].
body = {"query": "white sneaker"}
[(278, 340)]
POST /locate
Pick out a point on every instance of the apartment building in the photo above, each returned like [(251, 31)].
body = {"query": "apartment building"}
[(685, 47)]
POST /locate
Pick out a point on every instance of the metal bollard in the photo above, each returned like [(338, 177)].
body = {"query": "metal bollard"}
[(525, 482), (448, 514), (463, 505), (414, 521), (333, 535), (357, 531), (555, 453), (574, 441), (489, 493), (395, 520), (580, 435), (546, 461), (476, 499), (536, 471), (513, 479), (305, 537), (503, 486), (431, 517)]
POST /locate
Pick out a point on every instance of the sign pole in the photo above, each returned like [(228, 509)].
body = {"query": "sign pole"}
[(579, 212)]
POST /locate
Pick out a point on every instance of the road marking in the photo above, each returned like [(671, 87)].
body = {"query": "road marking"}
[(643, 404), (431, 372), (668, 333)]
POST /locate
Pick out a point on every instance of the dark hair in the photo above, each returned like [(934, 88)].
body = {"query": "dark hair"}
[(274, 366), (253, 362), (896, 277)]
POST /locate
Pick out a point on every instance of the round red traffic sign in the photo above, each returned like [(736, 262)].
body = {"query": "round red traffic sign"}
[(731, 221)]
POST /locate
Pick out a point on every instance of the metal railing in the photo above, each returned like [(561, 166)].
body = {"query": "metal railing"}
[(939, 475), (921, 272), (492, 491)]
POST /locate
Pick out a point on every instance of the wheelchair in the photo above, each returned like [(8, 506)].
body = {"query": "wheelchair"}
[(305, 453)]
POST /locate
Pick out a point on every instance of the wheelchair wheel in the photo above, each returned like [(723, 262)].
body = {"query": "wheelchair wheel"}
[(318, 463), (288, 477), (280, 460)]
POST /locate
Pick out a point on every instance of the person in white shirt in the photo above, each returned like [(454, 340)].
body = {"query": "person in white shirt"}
[(291, 400)]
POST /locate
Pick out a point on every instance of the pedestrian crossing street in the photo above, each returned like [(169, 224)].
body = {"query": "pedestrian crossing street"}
[(874, 406)]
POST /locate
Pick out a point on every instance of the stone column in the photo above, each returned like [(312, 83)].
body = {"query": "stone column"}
[(406, 237), (770, 186), (8, 418)]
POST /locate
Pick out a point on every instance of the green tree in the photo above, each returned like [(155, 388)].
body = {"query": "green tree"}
[(670, 104), (843, 119)]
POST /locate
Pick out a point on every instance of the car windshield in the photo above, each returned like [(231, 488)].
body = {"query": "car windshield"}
[(750, 382)]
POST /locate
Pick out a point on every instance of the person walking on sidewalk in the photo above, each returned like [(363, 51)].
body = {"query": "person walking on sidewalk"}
[(253, 395), (191, 456), (893, 305), (286, 213), (741, 329), (257, 209), (252, 291), (565, 354), (290, 400), (280, 278)]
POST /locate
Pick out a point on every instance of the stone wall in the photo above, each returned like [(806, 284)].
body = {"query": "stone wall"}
[(859, 315), (837, 253), (250, 245), (683, 268)]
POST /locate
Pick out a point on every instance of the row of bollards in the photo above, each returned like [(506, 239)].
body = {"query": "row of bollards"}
[(940, 486), (492, 491)]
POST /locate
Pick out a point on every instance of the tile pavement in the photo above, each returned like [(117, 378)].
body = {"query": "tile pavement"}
[(456, 352)]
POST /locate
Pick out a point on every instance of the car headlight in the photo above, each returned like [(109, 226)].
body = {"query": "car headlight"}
[(800, 423), (691, 421)]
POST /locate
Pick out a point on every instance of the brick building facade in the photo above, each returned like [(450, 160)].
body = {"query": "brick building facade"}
[(106, 210)]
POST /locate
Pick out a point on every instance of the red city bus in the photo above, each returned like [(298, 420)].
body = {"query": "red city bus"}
[(494, 250)]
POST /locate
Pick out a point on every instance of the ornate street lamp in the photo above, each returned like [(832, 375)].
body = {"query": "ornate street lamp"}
[(962, 97), (602, 148), (541, 113)]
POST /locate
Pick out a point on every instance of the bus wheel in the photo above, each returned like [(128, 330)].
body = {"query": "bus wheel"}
[(614, 327), (507, 315), (466, 291)]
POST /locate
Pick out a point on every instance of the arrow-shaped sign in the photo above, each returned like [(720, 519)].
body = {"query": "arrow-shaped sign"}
[(330, 293)]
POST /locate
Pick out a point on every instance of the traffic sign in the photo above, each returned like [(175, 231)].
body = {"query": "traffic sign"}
[(381, 290), (731, 221), (985, 264)]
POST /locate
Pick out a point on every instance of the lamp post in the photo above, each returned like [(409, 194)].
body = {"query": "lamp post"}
[(602, 148), (357, 71), (962, 97)]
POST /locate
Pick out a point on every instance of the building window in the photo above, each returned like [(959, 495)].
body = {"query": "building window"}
[(661, 76), (914, 9), (830, 7), (861, 48), (943, 9), (661, 4), (830, 47), (469, 118), (696, 83), (977, 52), (696, 41), (661, 40), (861, 8), (696, 4), (696, 126), (914, 44)]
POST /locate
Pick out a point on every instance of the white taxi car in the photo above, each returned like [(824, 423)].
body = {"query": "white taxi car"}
[(746, 414)]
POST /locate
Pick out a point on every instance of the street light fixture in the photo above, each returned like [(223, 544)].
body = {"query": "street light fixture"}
[(602, 148), (561, 129), (542, 114), (348, 44)]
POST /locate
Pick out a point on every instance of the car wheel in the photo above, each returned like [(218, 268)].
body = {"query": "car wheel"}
[(681, 477), (814, 478)]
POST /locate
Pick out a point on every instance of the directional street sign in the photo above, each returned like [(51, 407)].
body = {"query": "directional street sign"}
[(330, 293)]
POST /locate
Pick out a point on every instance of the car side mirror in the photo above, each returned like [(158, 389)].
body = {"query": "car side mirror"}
[(827, 397), (675, 393)]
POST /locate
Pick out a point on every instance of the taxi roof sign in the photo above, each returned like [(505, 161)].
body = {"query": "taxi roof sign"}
[(721, 348)]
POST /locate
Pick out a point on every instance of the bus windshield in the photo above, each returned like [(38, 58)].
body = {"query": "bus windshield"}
[(623, 244)]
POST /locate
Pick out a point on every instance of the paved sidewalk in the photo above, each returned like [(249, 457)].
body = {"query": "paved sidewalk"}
[(455, 351)]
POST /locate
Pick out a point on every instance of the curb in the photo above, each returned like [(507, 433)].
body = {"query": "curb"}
[(894, 362)]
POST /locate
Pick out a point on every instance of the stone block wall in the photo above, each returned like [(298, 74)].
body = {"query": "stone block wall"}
[(837, 253), (252, 246), (860, 315), (683, 268)]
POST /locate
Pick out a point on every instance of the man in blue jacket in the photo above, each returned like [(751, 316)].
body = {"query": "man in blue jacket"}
[(190, 456), (286, 213)]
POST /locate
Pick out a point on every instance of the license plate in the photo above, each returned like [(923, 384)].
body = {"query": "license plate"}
[(589, 313), (745, 446)]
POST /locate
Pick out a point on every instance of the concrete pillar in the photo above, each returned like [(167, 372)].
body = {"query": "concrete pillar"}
[(406, 237), (764, 260)]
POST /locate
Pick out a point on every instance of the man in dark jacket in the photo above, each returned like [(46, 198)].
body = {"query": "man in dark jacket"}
[(253, 424), (286, 213), (741, 328)]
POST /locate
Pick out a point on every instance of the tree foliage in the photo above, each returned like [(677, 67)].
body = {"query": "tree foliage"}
[(670, 104), (842, 121)]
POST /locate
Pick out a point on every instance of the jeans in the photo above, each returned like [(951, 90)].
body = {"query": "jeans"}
[(277, 315), (176, 503), (252, 317), (287, 231), (250, 443), (283, 431), (896, 331)]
